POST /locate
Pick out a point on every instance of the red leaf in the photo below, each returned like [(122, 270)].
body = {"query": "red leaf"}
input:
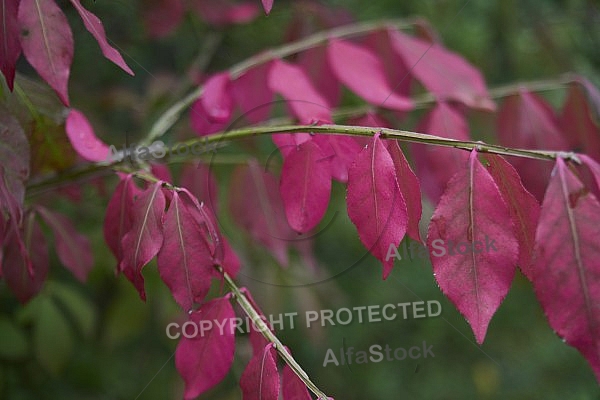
[(94, 26), (305, 186), (119, 216), (257, 107), (143, 241), (74, 249), (204, 360), (260, 379), (184, 261), (23, 283), (256, 205), (444, 73), (303, 100), (579, 123), (341, 151), (267, 5), (360, 70), (409, 187), (526, 121), (212, 111), (83, 139), (435, 165), (375, 204), (161, 171), (566, 272), (523, 207), (471, 215), (47, 43), (293, 388), (314, 63), (10, 48), (14, 154), (200, 181), (161, 17)]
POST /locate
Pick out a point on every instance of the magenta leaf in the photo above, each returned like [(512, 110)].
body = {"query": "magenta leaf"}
[(83, 139), (257, 107), (224, 12), (435, 165), (341, 151), (23, 281), (145, 237), (212, 111), (184, 261), (523, 207), (361, 71), (74, 249), (565, 272), (314, 63), (204, 359), (119, 216), (10, 47), (200, 181), (161, 171), (47, 43), (292, 387), (260, 379), (444, 73), (267, 5), (94, 26), (14, 154), (162, 17), (472, 245), (375, 204), (409, 187), (256, 205), (579, 122), (302, 99), (305, 186), (527, 121)]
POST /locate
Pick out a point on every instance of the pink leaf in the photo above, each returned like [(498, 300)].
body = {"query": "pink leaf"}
[(305, 186), (223, 12), (15, 271), (360, 70), (469, 222), (287, 142), (119, 216), (303, 100), (161, 171), (145, 237), (200, 181), (409, 187), (375, 204), (83, 139), (204, 360), (257, 107), (94, 26), (444, 73), (523, 207), (435, 165), (184, 261), (256, 205), (162, 17), (341, 151), (566, 272), (293, 388), (579, 123), (212, 111), (526, 121), (74, 249), (10, 48), (47, 43), (267, 5), (314, 63), (260, 379)]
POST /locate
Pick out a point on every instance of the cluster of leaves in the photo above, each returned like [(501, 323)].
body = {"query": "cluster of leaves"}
[(542, 219)]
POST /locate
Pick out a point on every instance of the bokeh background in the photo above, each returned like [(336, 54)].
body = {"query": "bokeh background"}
[(100, 341)]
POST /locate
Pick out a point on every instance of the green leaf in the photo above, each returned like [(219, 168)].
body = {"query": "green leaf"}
[(52, 336), (79, 307), (13, 342)]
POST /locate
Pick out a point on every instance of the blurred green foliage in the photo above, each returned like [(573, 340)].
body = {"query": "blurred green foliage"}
[(99, 341)]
